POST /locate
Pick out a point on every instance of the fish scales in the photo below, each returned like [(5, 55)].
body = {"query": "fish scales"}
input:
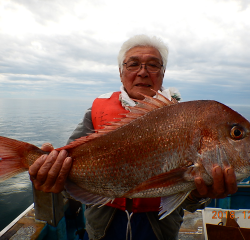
[(141, 154), (157, 154)]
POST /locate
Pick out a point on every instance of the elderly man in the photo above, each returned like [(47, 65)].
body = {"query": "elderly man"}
[(142, 63)]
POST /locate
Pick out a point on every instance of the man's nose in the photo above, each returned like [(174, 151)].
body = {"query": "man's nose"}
[(143, 71)]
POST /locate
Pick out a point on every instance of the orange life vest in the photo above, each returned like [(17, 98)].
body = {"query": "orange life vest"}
[(105, 110)]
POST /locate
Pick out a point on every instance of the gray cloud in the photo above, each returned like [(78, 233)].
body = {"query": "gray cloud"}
[(209, 54)]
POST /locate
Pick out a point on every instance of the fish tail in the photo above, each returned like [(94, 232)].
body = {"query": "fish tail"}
[(12, 157)]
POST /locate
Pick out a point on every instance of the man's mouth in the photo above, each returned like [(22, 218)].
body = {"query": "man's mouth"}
[(142, 85)]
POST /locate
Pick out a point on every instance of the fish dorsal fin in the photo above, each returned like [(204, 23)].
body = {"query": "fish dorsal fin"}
[(151, 103), (144, 106)]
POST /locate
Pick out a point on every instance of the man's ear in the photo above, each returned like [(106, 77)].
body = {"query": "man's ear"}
[(120, 74)]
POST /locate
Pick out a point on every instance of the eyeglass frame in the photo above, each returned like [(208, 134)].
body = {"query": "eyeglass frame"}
[(141, 67)]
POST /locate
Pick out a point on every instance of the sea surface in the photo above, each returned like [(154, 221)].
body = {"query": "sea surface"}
[(37, 122)]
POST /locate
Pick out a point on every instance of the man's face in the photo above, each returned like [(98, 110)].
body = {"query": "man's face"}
[(142, 81)]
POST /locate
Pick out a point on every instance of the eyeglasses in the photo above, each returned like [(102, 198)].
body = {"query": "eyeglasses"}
[(135, 66)]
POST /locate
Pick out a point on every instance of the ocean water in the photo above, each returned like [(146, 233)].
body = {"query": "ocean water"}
[(37, 122)]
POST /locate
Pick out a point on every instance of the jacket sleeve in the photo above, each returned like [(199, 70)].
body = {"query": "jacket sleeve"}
[(83, 128)]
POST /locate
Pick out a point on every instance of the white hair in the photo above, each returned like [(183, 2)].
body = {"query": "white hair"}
[(143, 40)]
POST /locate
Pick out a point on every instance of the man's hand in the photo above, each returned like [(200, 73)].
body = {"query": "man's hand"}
[(49, 172), (224, 183)]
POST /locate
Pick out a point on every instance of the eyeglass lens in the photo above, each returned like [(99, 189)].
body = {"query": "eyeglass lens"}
[(151, 66)]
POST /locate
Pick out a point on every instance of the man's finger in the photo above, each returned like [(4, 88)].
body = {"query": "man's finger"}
[(33, 169), (47, 147), (218, 179), (56, 168), (230, 180), (201, 186), (44, 169), (61, 179)]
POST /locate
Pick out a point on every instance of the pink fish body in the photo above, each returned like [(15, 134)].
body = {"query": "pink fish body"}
[(155, 151)]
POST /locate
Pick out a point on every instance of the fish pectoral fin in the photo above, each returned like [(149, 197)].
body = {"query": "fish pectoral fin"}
[(84, 196), (171, 202), (159, 181)]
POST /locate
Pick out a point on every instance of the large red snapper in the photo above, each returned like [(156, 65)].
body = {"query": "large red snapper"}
[(155, 151)]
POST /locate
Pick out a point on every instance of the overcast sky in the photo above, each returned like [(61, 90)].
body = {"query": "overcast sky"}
[(68, 49)]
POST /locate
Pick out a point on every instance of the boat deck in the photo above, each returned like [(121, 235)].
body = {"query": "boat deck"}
[(64, 221)]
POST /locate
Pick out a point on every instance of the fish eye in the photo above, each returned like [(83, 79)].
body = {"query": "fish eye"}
[(237, 132)]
